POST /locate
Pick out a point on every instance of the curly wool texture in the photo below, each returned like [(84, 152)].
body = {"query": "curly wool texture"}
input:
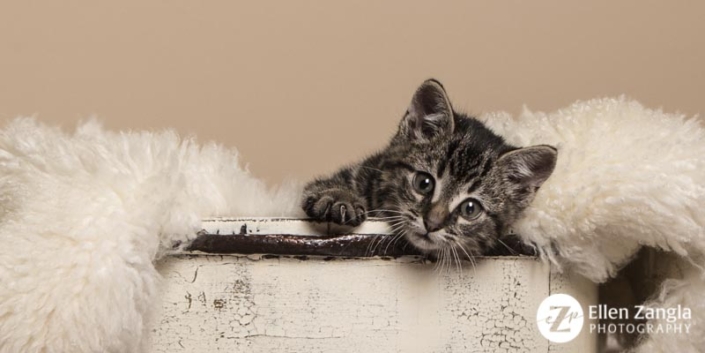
[(626, 177), (686, 291), (84, 216)]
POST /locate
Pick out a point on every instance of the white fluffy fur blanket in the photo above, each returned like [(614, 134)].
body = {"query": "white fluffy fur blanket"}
[(626, 176), (83, 216)]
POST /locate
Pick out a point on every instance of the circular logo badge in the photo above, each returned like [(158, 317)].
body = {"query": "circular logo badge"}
[(560, 318)]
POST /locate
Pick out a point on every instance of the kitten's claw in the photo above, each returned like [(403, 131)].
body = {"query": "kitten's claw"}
[(336, 206), (347, 213)]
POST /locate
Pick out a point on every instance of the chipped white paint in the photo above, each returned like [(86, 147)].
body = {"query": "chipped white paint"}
[(258, 304), (293, 226)]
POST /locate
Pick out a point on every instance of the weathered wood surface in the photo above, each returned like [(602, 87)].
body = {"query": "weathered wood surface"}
[(304, 237), (255, 303)]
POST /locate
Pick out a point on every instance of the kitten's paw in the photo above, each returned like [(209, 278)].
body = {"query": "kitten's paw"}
[(338, 206)]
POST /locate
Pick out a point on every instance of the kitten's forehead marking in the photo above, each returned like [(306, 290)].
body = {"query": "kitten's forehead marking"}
[(438, 189), (464, 195)]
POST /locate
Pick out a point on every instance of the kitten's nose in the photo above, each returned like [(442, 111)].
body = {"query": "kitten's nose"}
[(432, 225), (435, 218)]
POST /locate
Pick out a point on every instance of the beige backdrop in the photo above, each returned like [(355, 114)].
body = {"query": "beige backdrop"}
[(300, 87)]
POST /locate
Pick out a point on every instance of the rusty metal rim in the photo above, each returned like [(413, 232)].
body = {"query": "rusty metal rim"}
[(347, 245)]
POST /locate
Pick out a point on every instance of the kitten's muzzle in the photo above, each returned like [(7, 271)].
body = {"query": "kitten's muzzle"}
[(435, 218), (422, 241)]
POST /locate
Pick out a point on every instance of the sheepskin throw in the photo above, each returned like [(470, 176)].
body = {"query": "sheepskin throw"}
[(84, 215), (626, 177)]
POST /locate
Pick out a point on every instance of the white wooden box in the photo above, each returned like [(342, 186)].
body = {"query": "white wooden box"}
[(264, 303)]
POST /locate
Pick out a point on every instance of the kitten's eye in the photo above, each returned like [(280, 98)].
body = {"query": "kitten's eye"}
[(470, 209), (423, 183)]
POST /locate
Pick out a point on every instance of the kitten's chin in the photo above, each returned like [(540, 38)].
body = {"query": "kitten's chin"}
[(425, 242)]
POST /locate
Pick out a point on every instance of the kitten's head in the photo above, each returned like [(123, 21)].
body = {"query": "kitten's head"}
[(450, 182)]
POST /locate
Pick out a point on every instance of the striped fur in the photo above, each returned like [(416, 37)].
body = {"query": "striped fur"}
[(467, 162)]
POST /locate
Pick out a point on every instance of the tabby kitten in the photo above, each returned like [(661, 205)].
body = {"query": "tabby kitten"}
[(444, 182)]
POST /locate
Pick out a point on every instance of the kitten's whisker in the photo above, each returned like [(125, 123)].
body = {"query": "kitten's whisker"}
[(511, 251), (386, 219), (474, 266), (387, 237), (375, 169), (460, 263), (372, 245), (390, 242), (398, 232), (395, 241), (376, 244), (463, 249), (384, 210), (396, 235), (457, 259), (438, 262), (368, 251), (441, 260), (449, 261), (444, 255), (397, 226), (472, 261), (379, 241)]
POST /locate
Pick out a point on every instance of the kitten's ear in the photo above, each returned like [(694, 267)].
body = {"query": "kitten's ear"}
[(430, 113), (529, 166)]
